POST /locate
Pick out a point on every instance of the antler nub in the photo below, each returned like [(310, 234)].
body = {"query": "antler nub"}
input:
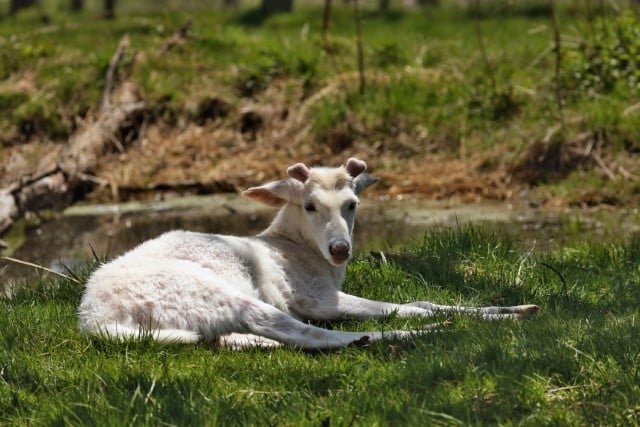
[(355, 166), (299, 171)]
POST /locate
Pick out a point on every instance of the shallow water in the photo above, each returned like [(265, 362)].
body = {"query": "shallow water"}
[(110, 230)]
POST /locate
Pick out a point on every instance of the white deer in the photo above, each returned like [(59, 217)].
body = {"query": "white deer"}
[(255, 291)]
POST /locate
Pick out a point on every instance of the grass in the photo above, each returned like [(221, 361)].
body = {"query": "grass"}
[(576, 363), (70, 55)]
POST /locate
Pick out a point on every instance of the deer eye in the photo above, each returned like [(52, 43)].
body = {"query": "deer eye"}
[(352, 206), (309, 207)]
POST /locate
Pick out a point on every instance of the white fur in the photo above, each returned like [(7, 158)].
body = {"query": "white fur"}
[(244, 291)]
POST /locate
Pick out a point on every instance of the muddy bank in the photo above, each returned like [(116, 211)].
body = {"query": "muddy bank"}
[(110, 229)]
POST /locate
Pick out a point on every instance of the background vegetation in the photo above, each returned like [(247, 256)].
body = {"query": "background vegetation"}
[(477, 82)]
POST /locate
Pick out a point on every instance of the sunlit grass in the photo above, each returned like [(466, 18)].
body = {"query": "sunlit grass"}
[(575, 363), (68, 58)]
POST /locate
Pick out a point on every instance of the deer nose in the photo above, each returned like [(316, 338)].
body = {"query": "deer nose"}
[(339, 250)]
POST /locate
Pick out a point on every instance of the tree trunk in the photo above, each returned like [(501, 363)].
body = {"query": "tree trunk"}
[(326, 19), (359, 48), (109, 11), (276, 6), (77, 5), (16, 5)]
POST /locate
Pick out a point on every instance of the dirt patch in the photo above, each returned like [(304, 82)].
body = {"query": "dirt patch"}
[(256, 141), (214, 154)]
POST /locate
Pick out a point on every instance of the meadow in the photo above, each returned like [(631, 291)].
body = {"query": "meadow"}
[(432, 96), (577, 362)]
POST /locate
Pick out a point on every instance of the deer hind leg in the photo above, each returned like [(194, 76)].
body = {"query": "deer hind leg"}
[(121, 332), (489, 313), (236, 341), (263, 320)]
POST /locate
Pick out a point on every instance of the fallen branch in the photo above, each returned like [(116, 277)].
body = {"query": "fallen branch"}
[(631, 109), (602, 165), (628, 175), (87, 146), (40, 267), (59, 185), (61, 182), (359, 48), (111, 71)]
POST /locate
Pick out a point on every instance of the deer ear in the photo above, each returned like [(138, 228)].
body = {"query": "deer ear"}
[(299, 171), (362, 182), (277, 193), (264, 196), (355, 166)]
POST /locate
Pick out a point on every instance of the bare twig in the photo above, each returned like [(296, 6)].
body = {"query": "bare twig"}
[(628, 175), (631, 109), (117, 143), (356, 14), (28, 180), (40, 267), (485, 58), (540, 57), (111, 71), (602, 165), (326, 19), (550, 133), (177, 37), (85, 177), (558, 67)]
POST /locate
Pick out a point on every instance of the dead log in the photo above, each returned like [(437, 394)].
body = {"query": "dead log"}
[(87, 146), (59, 186)]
